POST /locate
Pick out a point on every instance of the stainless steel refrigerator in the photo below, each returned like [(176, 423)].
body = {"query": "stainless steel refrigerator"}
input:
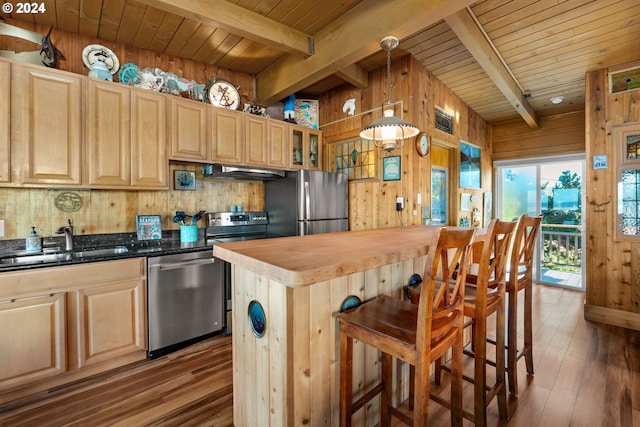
[(307, 202)]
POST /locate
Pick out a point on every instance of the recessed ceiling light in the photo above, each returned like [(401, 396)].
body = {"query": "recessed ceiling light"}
[(557, 99)]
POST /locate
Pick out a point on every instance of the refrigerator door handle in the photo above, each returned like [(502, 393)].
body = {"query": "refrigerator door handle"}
[(307, 201)]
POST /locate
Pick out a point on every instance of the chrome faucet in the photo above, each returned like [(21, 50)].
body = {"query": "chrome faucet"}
[(68, 235)]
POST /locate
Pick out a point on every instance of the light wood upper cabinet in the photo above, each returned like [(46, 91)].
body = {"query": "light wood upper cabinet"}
[(278, 144), (33, 335), (126, 137), (149, 160), (108, 134), (227, 133), (5, 120), (255, 140), (306, 148), (267, 142), (46, 125), (189, 138)]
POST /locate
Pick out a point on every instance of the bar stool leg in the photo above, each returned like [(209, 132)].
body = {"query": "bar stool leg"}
[(528, 333), (503, 409), (512, 342), (479, 343), (387, 392), (346, 379)]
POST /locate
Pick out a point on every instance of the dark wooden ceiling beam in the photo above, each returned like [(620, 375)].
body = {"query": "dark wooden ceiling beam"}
[(240, 21), (474, 39), (347, 40)]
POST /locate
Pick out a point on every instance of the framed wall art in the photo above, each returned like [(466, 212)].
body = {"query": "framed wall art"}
[(391, 168), (469, 165), (184, 180), (149, 227), (465, 198), (488, 209)]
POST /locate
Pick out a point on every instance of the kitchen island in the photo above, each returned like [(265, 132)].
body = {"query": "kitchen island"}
[(286, 367)]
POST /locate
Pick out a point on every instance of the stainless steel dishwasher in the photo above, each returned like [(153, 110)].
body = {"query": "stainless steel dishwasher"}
[(186, 300)]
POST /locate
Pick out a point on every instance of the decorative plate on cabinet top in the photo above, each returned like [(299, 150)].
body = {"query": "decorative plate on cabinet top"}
[(222, 93), (96, 52)]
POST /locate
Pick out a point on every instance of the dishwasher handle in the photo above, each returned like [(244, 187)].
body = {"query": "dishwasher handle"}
[(174, 265)]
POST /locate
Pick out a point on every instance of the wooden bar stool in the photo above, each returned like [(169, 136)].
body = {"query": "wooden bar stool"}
[(520, 277), (484, 296), (416, 334)]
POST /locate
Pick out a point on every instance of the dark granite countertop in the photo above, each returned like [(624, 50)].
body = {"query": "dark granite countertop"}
[(169, 244)]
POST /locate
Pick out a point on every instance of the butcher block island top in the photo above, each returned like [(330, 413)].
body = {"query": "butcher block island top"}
[(304, 260), (286, 294)]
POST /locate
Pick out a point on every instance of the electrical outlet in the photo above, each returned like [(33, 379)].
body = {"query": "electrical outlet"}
[(1, 227), (399, 203)]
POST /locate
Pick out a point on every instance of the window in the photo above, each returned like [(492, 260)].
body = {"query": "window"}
[(625, 80), (357, 158), (627, 143)]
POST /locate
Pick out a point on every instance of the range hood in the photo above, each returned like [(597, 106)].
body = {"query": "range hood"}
[(218, 170)]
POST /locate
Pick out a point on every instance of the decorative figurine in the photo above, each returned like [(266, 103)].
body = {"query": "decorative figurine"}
[(349, 106), (290, 109)]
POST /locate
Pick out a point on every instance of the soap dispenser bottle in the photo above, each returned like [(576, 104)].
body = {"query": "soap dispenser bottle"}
[(33, 242)]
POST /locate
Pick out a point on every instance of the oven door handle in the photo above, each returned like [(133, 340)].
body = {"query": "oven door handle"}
[(175, 265)]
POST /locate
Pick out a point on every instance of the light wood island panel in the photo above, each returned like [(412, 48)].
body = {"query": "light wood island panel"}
[(290, 376)]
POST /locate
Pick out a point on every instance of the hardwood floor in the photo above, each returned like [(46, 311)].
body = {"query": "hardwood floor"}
[(586, 374)]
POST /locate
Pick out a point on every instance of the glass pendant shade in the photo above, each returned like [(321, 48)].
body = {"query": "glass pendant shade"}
[(389, 132)]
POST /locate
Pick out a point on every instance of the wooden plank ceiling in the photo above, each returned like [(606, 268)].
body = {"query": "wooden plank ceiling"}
[(504, 58)]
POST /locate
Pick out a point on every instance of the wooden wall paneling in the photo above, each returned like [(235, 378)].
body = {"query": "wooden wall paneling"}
[(356, 286), (372, 203), (563, 134), (99, 204), (19, 225), (322, 327), (621, 109), (618, 292), (339, 292), (611, 271), (299, 339), (262, 345), (242, 337), (114, 211), (634, 266), (597, 185), (280, 302)]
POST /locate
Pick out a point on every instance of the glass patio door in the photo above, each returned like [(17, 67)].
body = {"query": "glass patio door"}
[(551, 187)]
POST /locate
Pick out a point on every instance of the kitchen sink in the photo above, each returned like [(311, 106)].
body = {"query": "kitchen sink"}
[(28, 259), (100, 252), (63, 256)]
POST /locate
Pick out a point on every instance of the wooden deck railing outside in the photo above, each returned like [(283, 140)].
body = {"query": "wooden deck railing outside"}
[(561, 247)]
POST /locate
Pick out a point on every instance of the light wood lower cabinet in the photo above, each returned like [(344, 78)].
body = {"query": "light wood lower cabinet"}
[(33, 336), (60, 324), (106, 321)]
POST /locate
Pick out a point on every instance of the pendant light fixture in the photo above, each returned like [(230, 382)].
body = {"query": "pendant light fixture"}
[(389, 132)]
